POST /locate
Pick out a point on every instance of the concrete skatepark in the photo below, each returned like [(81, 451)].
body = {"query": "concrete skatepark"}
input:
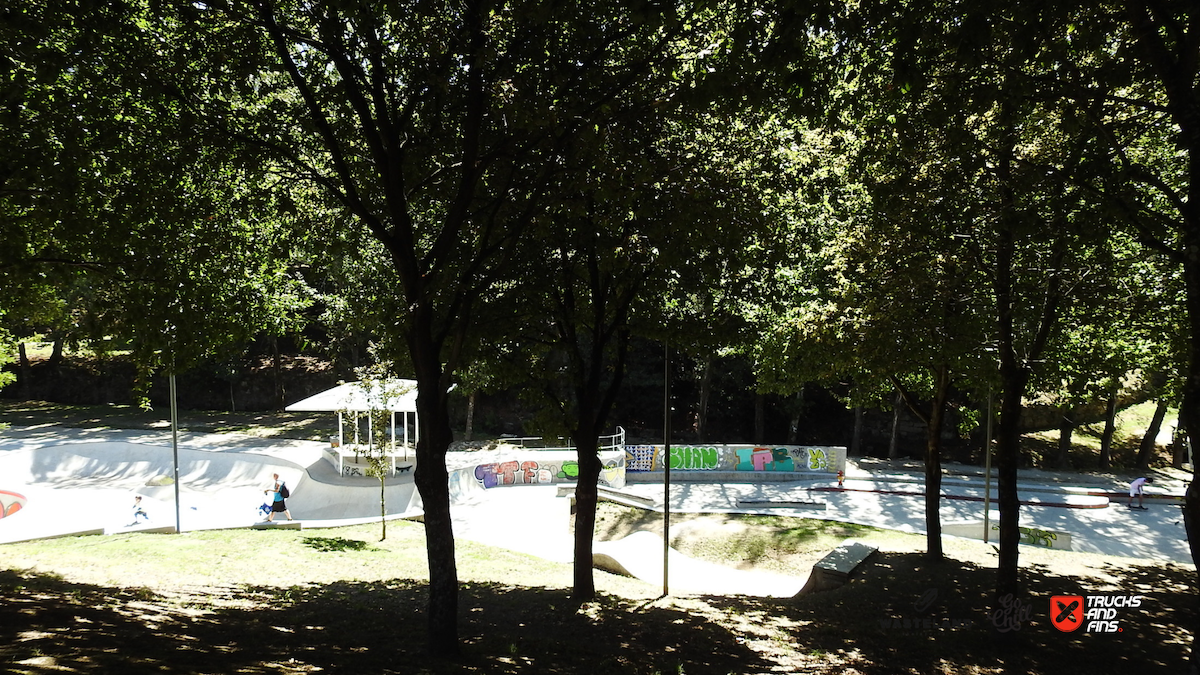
[(76, 481)]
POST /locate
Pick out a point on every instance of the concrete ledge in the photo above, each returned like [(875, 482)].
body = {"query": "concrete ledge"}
[(609, 494), (154, 529), (790, 504), (285, 525), (1030, 536), (834, 569)]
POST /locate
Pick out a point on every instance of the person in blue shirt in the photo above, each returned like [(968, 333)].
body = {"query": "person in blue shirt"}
[(278, 505)]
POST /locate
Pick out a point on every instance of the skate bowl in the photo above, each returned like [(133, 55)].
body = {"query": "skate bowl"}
[(81, 488)]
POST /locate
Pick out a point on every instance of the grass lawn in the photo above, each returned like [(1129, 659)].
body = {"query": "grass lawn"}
[(341, 601)]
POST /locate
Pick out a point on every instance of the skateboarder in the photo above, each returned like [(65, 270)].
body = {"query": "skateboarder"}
[(138, 511), (1135, 488)]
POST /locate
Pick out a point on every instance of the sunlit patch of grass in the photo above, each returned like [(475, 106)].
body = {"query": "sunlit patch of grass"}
[(1040, 447)]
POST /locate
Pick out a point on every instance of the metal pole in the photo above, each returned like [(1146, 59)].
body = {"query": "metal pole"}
[(987, 472), (666, 465), (175, 449)]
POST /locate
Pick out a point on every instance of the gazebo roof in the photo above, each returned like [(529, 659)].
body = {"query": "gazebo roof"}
[(393, 395)]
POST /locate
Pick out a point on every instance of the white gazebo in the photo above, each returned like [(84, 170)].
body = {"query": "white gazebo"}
[(395, 396)]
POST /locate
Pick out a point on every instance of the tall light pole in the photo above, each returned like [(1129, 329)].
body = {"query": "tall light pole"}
[(987, 471), (175, 446), (666, 465)]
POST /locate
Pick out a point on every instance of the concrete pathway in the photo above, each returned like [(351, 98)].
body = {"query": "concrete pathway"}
[(70, 488)]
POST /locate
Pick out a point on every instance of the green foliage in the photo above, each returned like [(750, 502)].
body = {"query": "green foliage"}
[(8, 350), (121, 215)]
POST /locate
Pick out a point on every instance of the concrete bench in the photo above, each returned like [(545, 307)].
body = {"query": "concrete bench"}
[(834, 569)]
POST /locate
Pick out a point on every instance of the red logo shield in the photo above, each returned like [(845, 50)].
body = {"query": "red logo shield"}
[(1066, 612)]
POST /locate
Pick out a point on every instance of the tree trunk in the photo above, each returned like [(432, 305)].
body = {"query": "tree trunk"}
[(856, 440), (1066, 432), (1013, 377), (594, 398), (469, 434), (1110, 426), (794, 426), (26, 372), (760, 418), (894, 440), (1179, 447), (277, 372), (382, 505), (933, 465), (56, 353), (1008, 437), (702, 407), (432, 480), (1014, 370), (431, 476), (586, 499), (1150, 440)]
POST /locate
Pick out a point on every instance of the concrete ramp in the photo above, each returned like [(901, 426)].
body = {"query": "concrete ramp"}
[(82, 488), (640, 555)]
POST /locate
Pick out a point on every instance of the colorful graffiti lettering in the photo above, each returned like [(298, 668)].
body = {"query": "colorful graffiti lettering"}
[(10, 503), (1037, 537), (530, 469), (527, 472), (611, 474), (817, 459), (640, 457), (1034, 536), (486, 474), (687, 458), (763, 459), (569, 469)]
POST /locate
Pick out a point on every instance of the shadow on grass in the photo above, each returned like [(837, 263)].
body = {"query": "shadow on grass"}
[(336, 544), (902, 614), (50, 625), (310, 426)]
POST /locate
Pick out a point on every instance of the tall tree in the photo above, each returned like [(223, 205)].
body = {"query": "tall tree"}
[(437, 129), (975, 74), (1136, 66), (111, 207)]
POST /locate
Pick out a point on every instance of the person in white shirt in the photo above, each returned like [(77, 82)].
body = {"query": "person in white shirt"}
[(1135, 488)]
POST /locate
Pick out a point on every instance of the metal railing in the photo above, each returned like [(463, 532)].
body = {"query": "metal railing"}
[(615, 441)]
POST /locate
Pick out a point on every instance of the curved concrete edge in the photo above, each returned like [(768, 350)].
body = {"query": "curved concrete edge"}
[(74, 489), (640, 555)]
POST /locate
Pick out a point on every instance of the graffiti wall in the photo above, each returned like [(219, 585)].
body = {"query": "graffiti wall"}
[(539, 468), (808, 458), (10, 502)]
